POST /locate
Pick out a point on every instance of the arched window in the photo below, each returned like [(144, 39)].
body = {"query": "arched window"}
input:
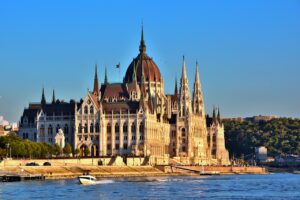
[(85, 128), (92, 110), (183, 132), (92, 128), (66, 129), (125, 128), (57, 127), (108, 128), (97, 128), (50, 130), (133, 129), (79, 128), (117, 128), (42, 129), (85, 110)]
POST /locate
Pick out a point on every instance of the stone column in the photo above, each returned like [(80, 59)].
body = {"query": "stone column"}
[(121, 137), (178, 132), (113, 137), (103, 137), (129, 134), (137, 139)]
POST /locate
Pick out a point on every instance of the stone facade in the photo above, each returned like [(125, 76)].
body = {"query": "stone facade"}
[(136, 118)]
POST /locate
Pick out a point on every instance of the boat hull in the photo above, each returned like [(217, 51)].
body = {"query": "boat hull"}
[(85, 181)]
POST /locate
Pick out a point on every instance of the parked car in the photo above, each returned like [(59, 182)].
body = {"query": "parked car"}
[(32, 164), (47, 164)]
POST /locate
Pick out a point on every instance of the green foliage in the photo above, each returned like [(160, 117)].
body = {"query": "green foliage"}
[(86, 151), (2, 153), (21, 148), (76, 151), (280, 136), (67, 149), (57, 149)]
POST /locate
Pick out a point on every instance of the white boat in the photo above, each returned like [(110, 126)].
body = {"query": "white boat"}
[(87, 180)]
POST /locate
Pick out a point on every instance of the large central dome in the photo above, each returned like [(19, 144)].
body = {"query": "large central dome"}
[(142, 63)]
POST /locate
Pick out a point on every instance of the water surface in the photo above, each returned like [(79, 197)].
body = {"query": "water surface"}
[(273, 186)]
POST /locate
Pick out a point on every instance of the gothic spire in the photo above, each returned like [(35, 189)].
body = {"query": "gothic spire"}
[(184, 95), (176, 88), (183, 76), (218, 115), (197, 80), (96, 84), (43, 100), (105, 77), (214, 114), (142, 42), (198, 104), (53, 97)]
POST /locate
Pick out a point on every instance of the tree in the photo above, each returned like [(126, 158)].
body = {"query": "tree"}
[(57, 149), (86, 151), (280, 136), (67, 149), (76, 152)]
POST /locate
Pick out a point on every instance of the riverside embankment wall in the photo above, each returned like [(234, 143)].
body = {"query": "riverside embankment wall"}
[(112, 161), (221, 169), (57, 172), (117, 161)]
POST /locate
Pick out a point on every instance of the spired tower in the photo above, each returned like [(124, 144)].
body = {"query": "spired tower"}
[(198, 103), (191, 123), (96, 84), (184, 93)]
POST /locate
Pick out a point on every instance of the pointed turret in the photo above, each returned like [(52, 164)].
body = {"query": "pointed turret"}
[(53, 97), (198, 105), (142, 42), (96, 83), (176, 88), (184, 95), (214, 118), (219, 116), (105, 77), (43, 100)]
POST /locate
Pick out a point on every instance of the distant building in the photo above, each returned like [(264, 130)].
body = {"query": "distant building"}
[(261, 154), (253, 119), (6, 129), (261, 118), (134, 117), (287, 160), (41, 121)]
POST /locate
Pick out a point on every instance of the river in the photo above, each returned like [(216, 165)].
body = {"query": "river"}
[(272, 186)]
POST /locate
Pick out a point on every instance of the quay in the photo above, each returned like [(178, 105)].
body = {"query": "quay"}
[(72, 168), (15, 178)]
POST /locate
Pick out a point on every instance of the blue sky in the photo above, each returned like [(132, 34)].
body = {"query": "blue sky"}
[(248, 51)]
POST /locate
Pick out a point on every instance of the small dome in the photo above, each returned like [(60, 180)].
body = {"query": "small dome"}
[(151, 70)]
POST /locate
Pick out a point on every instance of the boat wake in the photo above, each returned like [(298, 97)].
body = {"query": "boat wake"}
[(103, 182)]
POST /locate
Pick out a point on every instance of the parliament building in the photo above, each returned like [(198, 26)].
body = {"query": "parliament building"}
[(134, 118)]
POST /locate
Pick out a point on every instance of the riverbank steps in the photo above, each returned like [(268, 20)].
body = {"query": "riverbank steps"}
[(58, 172)]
